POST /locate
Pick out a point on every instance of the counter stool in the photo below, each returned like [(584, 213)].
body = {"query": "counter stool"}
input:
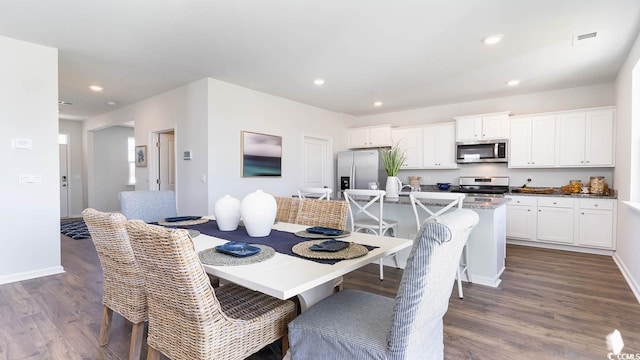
[(372, 223)]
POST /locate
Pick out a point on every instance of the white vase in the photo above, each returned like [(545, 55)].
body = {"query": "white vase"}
[(227, 213), (393, 187), (258, 211)]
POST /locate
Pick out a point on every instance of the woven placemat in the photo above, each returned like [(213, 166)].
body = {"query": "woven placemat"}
[(183, 223), (353, 251), (308, 235), (212, 257)]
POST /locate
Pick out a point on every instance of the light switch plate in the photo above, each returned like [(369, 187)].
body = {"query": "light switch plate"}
[(187, 155), (26, 144)]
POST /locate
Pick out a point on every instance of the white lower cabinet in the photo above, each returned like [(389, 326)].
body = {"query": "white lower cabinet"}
[(579, 222)]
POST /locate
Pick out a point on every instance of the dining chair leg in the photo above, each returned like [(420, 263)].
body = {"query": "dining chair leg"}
[(459, 280), (381, 270), (137, 334), (105, 325), (285, 344), (153, 354)]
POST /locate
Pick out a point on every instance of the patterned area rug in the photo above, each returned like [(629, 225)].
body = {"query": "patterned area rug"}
[(76, 230)]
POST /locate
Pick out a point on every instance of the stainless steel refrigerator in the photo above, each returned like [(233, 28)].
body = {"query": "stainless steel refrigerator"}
[(358, 168)]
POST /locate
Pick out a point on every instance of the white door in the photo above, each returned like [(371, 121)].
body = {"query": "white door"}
[(64, 181), (316, 159), (167, 162)]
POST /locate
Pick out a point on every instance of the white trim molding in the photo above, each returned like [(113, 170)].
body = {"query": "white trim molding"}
[(54, 270), (633, 284)]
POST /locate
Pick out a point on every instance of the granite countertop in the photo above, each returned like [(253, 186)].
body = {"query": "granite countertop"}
[(559, 193), (470, 202)]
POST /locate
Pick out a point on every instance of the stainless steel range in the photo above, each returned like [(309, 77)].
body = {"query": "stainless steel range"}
[(494, 185)]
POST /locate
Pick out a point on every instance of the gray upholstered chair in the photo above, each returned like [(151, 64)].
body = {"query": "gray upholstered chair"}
[(358, 325), (148, 206), (123, 286)]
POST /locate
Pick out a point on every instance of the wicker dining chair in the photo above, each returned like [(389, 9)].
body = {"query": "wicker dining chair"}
[(287, 208), (123, 286), (327, 213), (190, 320)]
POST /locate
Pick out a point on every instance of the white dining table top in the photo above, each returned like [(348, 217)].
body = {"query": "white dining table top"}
[(284, 276)]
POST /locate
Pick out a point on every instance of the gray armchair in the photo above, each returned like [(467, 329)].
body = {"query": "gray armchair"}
[(148, 206), (358, 325)]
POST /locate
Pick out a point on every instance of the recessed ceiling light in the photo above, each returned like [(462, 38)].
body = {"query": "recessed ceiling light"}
[(377, 103), (318, 82), (513, 82), (492, 39), (111, 103), (95, 87)]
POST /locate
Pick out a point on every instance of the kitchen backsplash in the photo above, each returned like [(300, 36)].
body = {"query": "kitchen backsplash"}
[(540, 177)]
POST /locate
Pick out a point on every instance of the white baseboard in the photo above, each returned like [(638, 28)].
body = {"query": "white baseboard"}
[(633, 284), (561, 247), (6, 279)]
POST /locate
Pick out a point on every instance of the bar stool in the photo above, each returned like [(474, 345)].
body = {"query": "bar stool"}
[(454, 200), (373, 223), (316, 193)]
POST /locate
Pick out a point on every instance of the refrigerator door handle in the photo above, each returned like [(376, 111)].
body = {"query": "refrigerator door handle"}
[(353, 177)]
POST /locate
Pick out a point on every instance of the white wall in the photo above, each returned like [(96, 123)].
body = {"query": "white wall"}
[(183, 109), (233, 109), (626, 172), (111, 166), (30, 242), (74, 130)]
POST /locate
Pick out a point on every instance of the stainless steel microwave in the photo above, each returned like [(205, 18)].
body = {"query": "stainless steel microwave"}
[(481, 151)]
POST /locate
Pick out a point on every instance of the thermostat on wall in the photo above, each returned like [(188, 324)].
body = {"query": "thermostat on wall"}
[(187, 155)]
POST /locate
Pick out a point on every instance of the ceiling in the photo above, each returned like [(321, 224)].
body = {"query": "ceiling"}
[(404, 53)]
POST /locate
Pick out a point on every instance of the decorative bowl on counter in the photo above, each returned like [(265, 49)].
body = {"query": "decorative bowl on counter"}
[(444, 186)]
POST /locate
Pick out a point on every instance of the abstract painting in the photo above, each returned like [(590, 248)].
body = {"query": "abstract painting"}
[(261, 154)]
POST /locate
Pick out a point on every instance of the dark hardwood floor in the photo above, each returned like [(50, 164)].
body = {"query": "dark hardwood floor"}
[(550, 305)]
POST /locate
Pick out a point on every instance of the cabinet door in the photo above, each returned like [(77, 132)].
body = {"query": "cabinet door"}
[(495, 127), (543, 141), (445, 146), (555, 224), (599, 138), (469, 128), (520, 143), (572, 139), (429, 140), (521, 222), (409, 140), (596, 228), (380, 136), (358, 138)]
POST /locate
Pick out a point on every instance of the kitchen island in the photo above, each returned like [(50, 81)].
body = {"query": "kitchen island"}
[(487, 241)]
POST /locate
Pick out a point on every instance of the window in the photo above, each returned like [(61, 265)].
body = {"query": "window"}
[(63, 139), (131, 156)]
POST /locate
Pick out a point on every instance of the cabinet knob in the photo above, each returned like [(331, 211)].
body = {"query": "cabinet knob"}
[(528, 209), (528, 162), (533, 162), (581, 162), (539, 210), (595, 205), (587, 161), (555, 203), (582, 213)]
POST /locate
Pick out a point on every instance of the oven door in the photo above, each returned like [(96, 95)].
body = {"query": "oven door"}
[(481, 152)]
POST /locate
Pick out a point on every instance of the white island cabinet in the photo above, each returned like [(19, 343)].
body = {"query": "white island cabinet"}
[(486, 244)]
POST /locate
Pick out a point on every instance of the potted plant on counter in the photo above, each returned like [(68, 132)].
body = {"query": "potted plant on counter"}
[(393, 158)]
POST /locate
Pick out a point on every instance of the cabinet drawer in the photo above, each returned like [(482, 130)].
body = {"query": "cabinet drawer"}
[(600, 204), (522, 201), (555, 202)]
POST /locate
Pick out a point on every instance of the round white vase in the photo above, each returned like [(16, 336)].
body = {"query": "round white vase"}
[(227, 213), (258, 211), (393, 187)]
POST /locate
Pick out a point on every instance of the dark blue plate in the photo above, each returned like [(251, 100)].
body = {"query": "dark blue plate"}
[(325, 231), (182, 218), (330, 246), (238, 249)]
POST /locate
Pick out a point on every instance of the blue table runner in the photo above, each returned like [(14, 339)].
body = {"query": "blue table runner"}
[(280, 241)]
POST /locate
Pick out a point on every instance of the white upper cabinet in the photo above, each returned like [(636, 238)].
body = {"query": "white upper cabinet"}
[(532, 142), (587, 138), (439, 146), (372, 136), (482, 127), (409, 140)]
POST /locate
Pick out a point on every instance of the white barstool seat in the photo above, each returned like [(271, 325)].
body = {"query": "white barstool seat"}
[(373, 222), (453, 200), (316, 193)]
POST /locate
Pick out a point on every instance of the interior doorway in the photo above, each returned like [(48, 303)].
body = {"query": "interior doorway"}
[(63, 148), (317, 162), (166, 155)]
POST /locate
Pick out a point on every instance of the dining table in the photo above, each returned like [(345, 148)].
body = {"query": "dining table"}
[(287, 275)]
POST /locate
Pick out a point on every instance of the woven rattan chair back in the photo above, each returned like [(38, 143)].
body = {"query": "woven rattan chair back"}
[(187, 319), (123, 286), (327, 213), (287, 209)]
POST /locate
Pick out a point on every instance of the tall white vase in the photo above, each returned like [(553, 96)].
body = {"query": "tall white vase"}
[(258, 211), (227, 213), (393, 187)]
